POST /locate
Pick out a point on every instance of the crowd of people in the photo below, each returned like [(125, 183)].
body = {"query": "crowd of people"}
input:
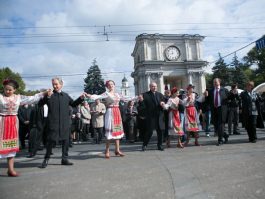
[(53, 117)]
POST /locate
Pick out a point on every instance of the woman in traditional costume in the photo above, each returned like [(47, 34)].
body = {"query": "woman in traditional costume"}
[(113, 120), (9, 138), (191, 116), (174, 117)]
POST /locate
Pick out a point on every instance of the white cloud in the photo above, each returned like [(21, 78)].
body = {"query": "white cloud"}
[(112, 56)]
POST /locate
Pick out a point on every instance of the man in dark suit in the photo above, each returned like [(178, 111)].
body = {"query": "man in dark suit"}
[(58, 103), (152, 100), (24, 123), (251, 112), (217, 99)]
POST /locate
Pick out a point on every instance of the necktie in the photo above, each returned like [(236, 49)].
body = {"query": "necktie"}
[(216, 98)]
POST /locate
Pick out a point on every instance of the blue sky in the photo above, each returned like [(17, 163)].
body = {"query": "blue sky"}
[(228, 25)]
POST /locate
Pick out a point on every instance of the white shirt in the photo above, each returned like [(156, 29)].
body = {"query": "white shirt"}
[(45, 110)]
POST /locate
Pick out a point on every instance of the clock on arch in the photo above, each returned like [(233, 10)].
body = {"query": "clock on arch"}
[(172, 53)]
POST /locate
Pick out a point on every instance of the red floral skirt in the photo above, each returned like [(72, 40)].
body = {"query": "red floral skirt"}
[(9, 134), (176, 122), (191, 117)]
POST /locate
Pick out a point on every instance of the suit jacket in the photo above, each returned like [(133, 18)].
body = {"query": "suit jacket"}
[(223, 92), (24, 114), (247, 108), (58, 114), (152, 104)]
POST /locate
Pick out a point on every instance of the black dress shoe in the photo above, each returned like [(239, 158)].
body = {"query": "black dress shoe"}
[(31, 155), (226, 138), (66, 162), (143, 148), (160, 148), (44, 163), (219, 143)]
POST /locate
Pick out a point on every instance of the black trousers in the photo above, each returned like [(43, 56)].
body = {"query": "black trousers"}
[(98, 134), (65, 148), (166, 116), (250, 126), (153, 123), (219, 124), (141, 124), (23, 131), (34, 140)]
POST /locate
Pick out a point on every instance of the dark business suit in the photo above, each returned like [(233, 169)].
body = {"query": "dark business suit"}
[(251, 118), (153, 111), (219, 114), (58, 120)]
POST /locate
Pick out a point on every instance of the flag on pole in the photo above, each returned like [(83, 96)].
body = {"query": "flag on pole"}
[(260, 43)]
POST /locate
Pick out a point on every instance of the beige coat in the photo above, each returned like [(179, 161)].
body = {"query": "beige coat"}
[(98, 112), (85, 115)]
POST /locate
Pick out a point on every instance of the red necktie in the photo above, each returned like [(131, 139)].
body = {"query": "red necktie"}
[(216, 98)]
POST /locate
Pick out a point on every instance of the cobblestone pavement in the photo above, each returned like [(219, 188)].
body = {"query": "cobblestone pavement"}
[(234, 170)]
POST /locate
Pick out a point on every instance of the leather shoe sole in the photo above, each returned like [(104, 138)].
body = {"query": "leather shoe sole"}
[(143, 148), (67, 163), (44, 164)]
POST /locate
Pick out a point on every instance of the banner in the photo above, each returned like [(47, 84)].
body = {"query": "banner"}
[(260, 43)]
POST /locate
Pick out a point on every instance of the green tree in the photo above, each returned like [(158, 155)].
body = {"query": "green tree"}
[(94, 84), (209, 80), (238, 74), (8, 73), (256, 58), (221, 70)]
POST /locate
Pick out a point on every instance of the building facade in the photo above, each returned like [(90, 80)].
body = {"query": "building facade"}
[(125, 87), (169, 60)]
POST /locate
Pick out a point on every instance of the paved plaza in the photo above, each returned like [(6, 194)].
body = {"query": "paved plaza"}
[(234, 170)]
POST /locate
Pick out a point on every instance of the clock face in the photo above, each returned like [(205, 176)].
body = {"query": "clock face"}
[(172, 53)]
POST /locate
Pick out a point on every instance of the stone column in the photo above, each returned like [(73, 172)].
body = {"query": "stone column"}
[(145, 51), (147, 80), (190, 77), (198, 50), (202, 82), (187, 49), (161, 82)]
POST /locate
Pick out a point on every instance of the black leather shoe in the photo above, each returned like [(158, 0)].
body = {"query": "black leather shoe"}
[(143, 148), (226, 140), (66, 162), (44, 163), (160, 148), (219, 143), (31, 155)]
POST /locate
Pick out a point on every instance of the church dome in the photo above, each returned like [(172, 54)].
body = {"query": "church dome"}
[(124, 79)]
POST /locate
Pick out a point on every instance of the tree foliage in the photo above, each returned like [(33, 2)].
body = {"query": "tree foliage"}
[(256, 58), (8, 73), (238, 75), (94, 84), (221, 70)]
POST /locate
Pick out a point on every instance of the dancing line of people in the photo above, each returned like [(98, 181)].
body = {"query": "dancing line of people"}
[(170, 114)]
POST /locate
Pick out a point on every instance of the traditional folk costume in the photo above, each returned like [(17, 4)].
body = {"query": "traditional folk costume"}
[(9, 137), (113, 120), (191, 116), (174, 117)]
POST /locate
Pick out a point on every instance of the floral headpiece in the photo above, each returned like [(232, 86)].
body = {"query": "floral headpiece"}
[(12, 82)]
